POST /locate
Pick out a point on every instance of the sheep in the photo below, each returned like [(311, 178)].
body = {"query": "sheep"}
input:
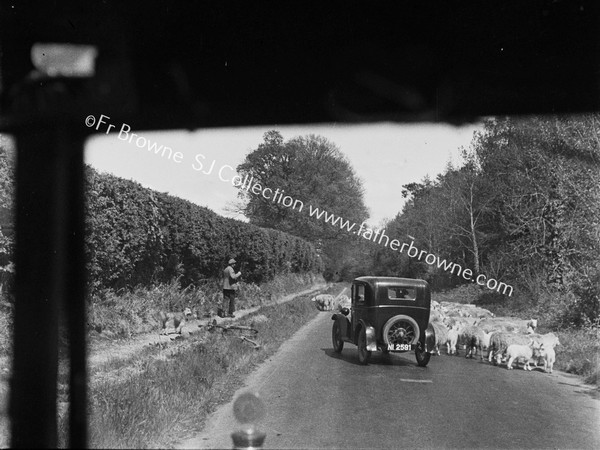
[(460, 322), (501, 340), (473, 337), (323, 302), (177, 320), (452, 340), (526, 352), (441, 335), (436, 316), (485, 343), (548, 342), (532, 325), (508, 324), (343, 301), (548, 354)]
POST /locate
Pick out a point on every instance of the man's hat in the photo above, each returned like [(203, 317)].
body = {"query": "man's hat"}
[(231, 261)]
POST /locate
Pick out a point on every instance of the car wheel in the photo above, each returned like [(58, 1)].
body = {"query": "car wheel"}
[(422, 355), (336, 337), (363, 353), (401, 330)]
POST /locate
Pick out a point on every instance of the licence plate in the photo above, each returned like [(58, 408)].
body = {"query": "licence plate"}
[(399, 347)]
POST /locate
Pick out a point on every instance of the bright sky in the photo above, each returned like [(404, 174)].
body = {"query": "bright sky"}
[(385, 156)]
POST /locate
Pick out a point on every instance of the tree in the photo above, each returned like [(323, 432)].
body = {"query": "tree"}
[(313, 173), (546, 174)]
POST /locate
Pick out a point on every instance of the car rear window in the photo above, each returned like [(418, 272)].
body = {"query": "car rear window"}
[(402, 293)]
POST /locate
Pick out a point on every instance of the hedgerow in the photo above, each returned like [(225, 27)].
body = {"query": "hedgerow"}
[(137, 236)]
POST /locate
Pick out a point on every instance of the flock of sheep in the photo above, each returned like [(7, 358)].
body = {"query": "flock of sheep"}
[(476, 330), (505, 338), (327, 302)]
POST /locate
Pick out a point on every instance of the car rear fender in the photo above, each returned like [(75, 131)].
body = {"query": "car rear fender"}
[(429, 339), (370, 332)]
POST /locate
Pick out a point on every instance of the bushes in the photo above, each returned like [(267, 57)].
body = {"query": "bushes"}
[(579, 353), (140, 237)]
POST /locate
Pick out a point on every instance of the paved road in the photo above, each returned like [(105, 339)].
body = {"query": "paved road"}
[(318, 399)]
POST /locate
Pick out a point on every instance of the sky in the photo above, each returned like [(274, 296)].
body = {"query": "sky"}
[(385, 156)]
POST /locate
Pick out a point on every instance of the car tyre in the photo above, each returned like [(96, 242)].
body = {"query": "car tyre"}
[(336, 338), (363, 353), (422, 355), (401, 329)]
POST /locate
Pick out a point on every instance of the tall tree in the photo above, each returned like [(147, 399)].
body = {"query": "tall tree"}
[(310, 170), (546, 172)]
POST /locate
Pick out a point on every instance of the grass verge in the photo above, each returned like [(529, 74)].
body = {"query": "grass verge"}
[(167, 399), (122, 314)]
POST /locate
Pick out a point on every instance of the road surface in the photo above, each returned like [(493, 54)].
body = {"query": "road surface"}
[(316, 398)]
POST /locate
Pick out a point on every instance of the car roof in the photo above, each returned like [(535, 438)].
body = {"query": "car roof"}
[(406, 282)]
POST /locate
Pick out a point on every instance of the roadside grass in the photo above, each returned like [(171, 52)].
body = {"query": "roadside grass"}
[(122, 314), (167, 400), (579, 353)]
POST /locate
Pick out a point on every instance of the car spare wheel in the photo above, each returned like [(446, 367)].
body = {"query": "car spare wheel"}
[(401, 329)]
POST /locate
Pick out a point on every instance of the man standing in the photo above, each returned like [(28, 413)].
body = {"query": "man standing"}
[(229, 287)]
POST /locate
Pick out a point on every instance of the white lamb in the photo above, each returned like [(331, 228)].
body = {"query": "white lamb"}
[(452, 340), (519, 351), (549, 356)]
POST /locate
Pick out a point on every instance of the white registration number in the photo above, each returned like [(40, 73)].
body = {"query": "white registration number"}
[(399, 347)]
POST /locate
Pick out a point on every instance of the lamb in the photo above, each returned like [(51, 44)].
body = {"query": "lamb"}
[(441, 335), (548, 342), (549, 357), (324, 302), (501, 340), (452, 340), (486, 340), (526, 352)]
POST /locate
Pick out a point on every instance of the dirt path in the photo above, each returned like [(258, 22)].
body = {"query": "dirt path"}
[(104, 351)]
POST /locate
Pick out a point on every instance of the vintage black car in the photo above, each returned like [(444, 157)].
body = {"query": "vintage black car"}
[(388, 314)]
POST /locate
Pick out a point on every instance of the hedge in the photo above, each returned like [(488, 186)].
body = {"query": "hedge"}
[(137, 236)]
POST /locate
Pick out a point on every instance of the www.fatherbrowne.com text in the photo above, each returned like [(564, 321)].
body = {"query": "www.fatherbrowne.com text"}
[(228, 174), (379, 236)]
